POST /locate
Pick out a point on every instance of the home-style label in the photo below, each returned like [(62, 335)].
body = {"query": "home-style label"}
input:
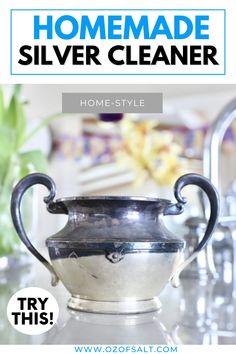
[(107, 102)]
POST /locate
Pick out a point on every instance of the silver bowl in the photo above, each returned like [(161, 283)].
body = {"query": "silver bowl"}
[(115, 254)]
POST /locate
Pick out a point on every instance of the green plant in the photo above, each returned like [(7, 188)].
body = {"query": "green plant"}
[(14, 163)]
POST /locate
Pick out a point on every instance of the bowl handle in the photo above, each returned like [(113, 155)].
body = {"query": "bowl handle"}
[(173, 209), (17, 194)]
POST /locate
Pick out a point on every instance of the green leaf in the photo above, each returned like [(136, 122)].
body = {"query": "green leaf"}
[(15, 119), (32, 161), (7, 142), (3, 171), (1, 105), (11, 114), (17, 90), (21, 125)]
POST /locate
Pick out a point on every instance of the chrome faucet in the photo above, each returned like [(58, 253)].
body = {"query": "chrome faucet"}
[(211, 157), (213, 142)]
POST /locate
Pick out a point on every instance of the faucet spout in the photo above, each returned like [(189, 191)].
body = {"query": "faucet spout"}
[(214, 138)]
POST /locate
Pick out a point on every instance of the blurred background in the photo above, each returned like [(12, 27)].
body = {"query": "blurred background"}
[(139, 155), (92, 147)]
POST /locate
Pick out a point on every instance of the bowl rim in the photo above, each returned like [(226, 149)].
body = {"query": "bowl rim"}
[(111, 197)]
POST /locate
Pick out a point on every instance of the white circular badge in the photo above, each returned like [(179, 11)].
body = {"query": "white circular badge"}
[(32, 310)]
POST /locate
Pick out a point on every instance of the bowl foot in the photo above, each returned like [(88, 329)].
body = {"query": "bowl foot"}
[(114, 307)]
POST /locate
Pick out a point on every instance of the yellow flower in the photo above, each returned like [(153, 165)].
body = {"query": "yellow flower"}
[(149, 152)]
